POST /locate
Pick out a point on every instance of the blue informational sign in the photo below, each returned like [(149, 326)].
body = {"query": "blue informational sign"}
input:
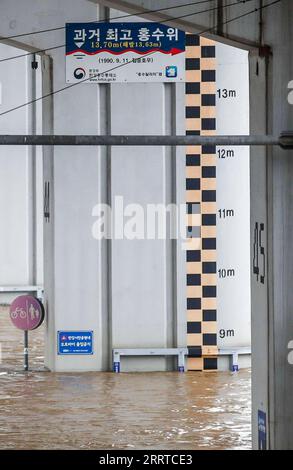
[(116, 38), (116, 367), (75, 342), (262, 430), (124, 52)]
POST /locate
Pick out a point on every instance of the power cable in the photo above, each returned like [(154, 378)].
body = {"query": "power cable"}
[(41, 31), (40, 51), (255, 10)]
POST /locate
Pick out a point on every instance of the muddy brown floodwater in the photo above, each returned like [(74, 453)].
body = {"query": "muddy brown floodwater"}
[(44, 410)]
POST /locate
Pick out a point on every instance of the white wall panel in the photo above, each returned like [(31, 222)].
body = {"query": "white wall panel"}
[(233, 200)]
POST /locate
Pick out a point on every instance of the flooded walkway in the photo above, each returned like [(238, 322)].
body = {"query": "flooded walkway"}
[(42, 410)]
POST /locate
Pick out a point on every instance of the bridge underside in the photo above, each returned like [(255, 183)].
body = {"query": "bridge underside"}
[(267, 35)]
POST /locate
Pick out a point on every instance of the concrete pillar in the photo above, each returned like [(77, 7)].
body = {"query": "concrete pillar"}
[(20, 201), (272, 205), (280, 232)]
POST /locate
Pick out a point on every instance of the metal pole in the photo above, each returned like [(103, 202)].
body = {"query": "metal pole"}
[(25, 351), (145, 140), (220, 18)]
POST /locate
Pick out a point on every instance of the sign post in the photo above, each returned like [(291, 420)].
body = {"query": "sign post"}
[(26, 313), (25, 351)]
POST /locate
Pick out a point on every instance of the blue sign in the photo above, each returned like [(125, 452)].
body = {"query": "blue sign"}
[(262, 430), (117, 38), (116, 367), (75, 342), (124, 52), (171, 71)]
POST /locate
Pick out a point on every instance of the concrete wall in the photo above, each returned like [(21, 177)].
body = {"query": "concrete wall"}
[(131, 293), (233, 197), (125, 291), (21, 247), (144, 306)]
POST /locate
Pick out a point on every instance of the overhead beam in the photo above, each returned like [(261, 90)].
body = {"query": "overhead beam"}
[(284, 140), (198, 19)]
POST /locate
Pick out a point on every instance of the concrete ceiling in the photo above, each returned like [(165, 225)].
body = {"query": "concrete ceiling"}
[(243, 31)]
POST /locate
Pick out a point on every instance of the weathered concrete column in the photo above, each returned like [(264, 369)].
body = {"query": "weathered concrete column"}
[(271, 239), (280, 231)]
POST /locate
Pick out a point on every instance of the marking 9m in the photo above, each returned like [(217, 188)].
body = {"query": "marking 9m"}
[(226, 333)]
